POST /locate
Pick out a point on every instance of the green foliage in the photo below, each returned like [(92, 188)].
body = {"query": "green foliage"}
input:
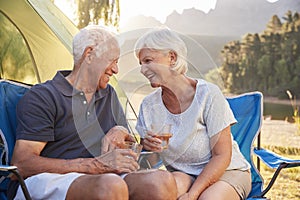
[(269, 61), (96, 11)]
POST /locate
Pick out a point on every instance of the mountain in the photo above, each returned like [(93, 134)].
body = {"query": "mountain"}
[(230, 17), (204, 34)]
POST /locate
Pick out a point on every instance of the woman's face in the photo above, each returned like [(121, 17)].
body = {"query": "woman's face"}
[(155, 66)]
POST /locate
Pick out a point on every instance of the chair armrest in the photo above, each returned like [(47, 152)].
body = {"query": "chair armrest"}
[(273, 160), (6, 170)]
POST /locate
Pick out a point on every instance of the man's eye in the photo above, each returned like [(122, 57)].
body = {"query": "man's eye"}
[(148, 61), (114, 60)]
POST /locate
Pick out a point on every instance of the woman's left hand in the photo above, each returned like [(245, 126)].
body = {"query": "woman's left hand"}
[(151, 143)]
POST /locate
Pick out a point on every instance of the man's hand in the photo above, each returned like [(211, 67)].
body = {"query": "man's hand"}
[(115, 137), (117, 161)]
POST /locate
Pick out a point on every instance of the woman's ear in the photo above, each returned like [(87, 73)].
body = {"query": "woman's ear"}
[(173, 57)]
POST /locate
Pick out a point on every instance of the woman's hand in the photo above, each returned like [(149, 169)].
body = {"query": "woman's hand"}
[(151, 143)]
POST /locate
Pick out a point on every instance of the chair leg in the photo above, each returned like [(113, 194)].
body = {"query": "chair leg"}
[(258, 146), (22, 183), (281, 166)]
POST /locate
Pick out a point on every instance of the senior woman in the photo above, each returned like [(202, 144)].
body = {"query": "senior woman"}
[(202, 155)]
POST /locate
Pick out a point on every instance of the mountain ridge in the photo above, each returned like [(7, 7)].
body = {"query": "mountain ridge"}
[(229, 17)]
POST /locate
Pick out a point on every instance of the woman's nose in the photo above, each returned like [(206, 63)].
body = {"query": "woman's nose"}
[(143, 69)]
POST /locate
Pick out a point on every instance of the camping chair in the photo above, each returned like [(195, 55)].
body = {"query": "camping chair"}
[(248, 110), (10, 93)]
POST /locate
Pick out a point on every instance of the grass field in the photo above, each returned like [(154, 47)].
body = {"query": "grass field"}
[(287, 185)]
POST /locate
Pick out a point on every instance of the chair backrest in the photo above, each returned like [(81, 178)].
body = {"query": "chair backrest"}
[(10, 94), (247, 109)]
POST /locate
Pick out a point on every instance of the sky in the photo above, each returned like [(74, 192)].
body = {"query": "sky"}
[(158, 9)]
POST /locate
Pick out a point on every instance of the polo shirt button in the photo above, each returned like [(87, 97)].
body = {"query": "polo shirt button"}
[(88, 113), (81, 93), (84, 102)]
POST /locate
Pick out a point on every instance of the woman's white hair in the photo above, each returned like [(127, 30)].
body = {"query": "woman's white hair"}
[(95, 36), (163, 39)]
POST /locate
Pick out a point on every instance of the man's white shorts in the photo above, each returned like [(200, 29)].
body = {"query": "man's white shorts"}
[(48, 186)]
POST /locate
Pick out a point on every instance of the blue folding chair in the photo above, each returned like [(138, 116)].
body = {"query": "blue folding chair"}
[(10, 94), (248, 110)]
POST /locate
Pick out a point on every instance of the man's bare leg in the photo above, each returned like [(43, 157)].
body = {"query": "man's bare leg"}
[(102, 187)]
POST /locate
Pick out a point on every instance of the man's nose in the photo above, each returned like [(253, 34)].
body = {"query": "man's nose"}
[(115, 68)]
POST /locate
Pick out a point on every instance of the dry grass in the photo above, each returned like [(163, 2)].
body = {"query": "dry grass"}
[(282, 138), (287, 185)]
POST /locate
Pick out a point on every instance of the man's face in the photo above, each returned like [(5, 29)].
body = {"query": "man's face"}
[(112, 56)]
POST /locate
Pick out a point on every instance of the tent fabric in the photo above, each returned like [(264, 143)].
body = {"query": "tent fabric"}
[(46, 31)]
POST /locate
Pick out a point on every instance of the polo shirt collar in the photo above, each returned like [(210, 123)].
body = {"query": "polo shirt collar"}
[(67, 89)]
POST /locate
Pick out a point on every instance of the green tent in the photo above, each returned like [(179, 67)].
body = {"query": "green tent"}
[(35, 40)]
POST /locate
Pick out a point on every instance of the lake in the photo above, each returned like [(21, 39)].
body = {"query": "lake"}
[(278, 111)]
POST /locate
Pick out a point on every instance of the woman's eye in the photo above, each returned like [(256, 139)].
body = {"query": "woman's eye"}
[(146, 61)]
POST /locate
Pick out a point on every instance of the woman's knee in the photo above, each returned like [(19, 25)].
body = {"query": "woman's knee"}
[(219, 190), (151, 184), (183, 182)]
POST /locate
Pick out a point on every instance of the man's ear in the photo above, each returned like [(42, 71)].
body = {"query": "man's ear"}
[(87, 54)]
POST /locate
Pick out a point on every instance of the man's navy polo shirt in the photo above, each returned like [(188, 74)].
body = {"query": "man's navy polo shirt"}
[(56, 113)]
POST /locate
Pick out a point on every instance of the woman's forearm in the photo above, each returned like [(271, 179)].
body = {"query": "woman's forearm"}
[(210, 174)]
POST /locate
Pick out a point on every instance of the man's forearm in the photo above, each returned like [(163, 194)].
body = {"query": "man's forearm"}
[(38, 164)]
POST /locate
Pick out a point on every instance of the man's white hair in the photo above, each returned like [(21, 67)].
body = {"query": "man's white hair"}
[(95, 36)]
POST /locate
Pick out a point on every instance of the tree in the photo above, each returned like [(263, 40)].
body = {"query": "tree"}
[(96, 11), (274, 25), (269, 62)]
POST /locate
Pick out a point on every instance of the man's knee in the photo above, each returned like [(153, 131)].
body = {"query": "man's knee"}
[(106, 186), (151, 184), (112, 187)]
